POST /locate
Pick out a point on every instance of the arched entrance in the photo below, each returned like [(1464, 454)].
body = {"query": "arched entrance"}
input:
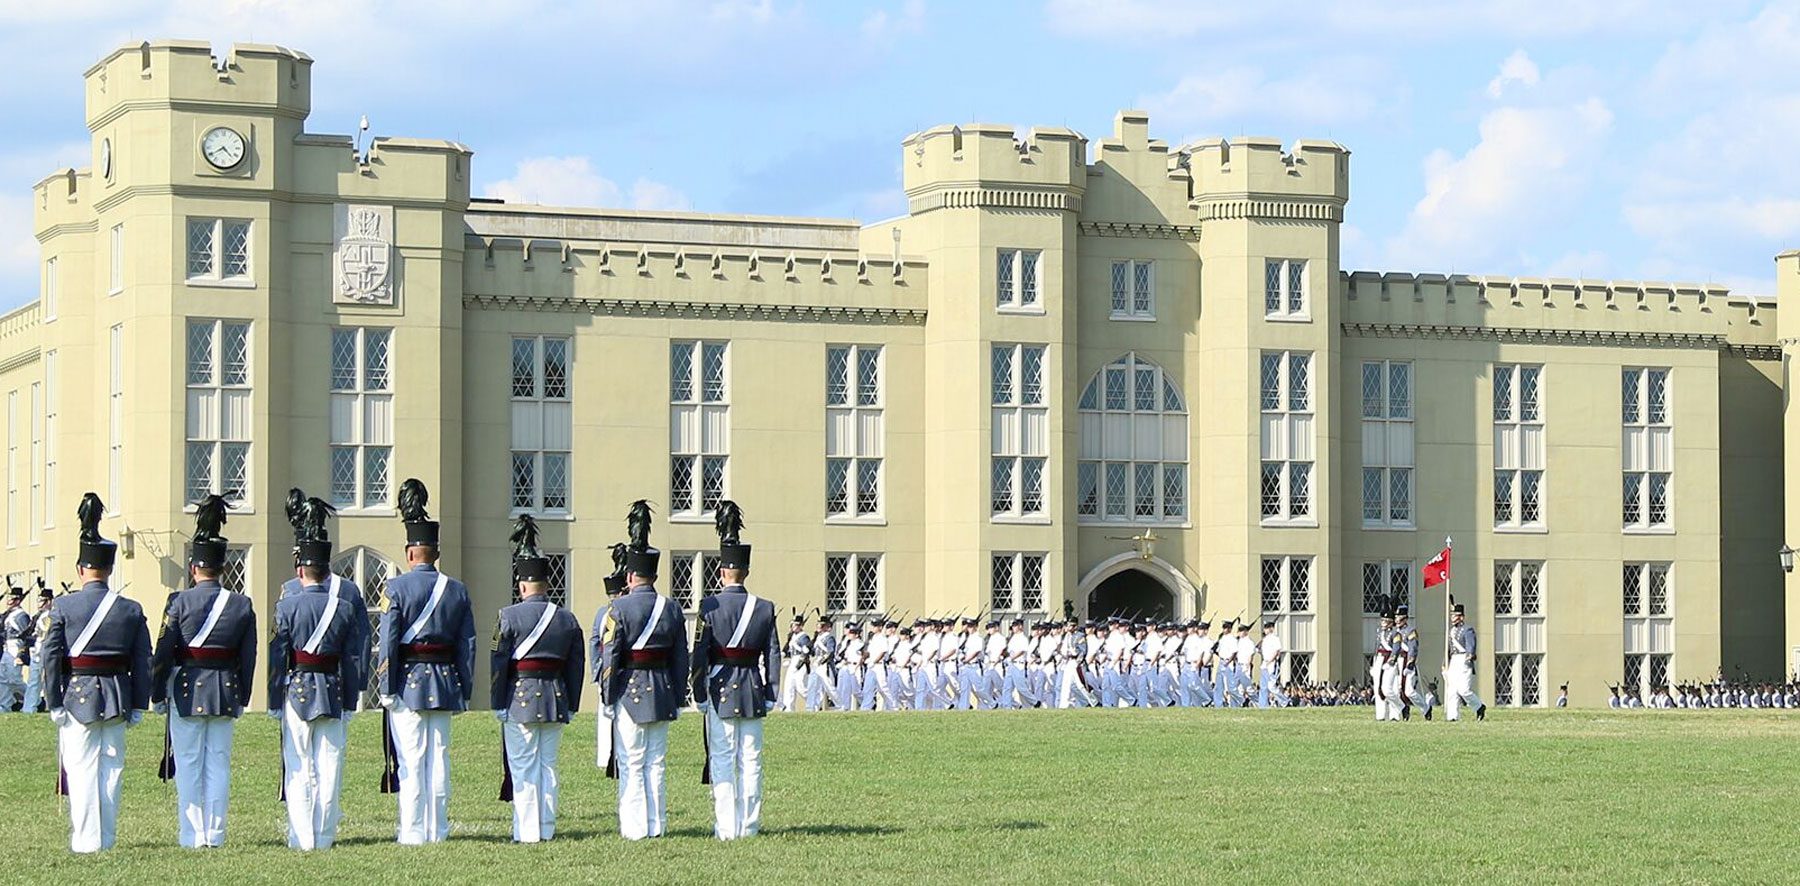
[(1132, 593)]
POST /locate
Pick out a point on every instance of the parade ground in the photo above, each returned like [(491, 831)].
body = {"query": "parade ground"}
[(1319, 795)]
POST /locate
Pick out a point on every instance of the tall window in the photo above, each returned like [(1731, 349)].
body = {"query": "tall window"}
[(1134, 435), (542, 424), (693, 576), (852, 584), (362, 416), (1021, 431), (853, 431), (116, 267), (1387, 443), (115, 401), (1649, 625), (218, 250), (1649, 456), (1017, 283), (35, 466), (235, 574), (1133, 290), (1287, 599), (699, 426), (52, 289), (370, 570), (50, 423), (1518, 446), (1018, 583), (556, 586), (218, 410), (1382, 579), (1284, 289), (1518, 633), (1287, 436), (13, 517)]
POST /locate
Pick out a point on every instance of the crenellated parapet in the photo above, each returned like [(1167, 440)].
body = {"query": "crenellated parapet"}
[(988, 166), (251, 76), (1254, 177)]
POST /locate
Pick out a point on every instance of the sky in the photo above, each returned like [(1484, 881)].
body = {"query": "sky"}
[(1625, 139)]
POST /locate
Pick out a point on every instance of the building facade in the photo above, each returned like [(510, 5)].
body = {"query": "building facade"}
[(1073, 377)]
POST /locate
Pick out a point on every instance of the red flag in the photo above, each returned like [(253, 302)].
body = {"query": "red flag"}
[(1437, 569)]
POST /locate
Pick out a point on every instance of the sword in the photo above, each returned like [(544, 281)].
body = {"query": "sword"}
[(506, 781), (166, 769), (390, 759)]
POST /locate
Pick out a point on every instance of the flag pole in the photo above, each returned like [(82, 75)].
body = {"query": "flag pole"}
[(1449, 600)]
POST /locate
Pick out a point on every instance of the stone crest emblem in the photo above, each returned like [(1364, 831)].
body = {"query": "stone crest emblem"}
[(363, 264)]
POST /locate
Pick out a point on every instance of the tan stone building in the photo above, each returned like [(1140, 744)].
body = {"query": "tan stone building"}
[(1101, 377)]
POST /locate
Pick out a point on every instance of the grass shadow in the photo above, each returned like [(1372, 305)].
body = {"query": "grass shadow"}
[(835, 830)]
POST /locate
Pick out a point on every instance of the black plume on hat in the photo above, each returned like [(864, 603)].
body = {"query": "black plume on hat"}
[(637, 525), (413, 498), (729, 521), (209, 518), (313, 515), (525, 537), (89, 512), (296, 511)]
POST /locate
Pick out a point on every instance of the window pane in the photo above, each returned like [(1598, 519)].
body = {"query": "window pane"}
[(236, 354), (1659, 671), (1271, 489), (1031, 583), (868, 376), (1031, 486), (375, 475), (868, 486), (681, 580), (343, 359), (1174, 491), (1628, 395), (200, 353), (1503, 496), (1271, 382), (1632, 498), (234, 471), (1503, 678), (1300, 584), (1171, 399), (1531, 600), (1400, 390), (1003, 284), (199, 471), (1659, 589), (712, 367), (1503, 394), (1272, 287), (1296, 288), (1118, 492), (524, 367), (1528, 393), (837, 582), (200, 247), (1144, 389), (1400, 495), (1374, 398), (1531, 677), (1271, 584), (1140, 291), (1116, 384), (237, 249), (868, 583), (1120, 297), (1087, 489), (343, 476), (1299, 489), (1299, 391), (524, 480), (837, 376), (1374, 507), (709, 575), (681, 483), (1503, 588), (556, 368), (375, 359), (1634, 671), (1002, 598), (1090, 395), (681, 372), (556, 481), (1031, 375), (1028, 287), (1003, 485), (837, 485), (1530, 510), (1144, 502), (1658, 512), (1659, 396), (1373, 588), (1003, 377), (712, 482), (1633, 589)]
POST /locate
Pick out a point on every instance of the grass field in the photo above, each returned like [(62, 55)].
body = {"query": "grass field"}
[(1319, 795)]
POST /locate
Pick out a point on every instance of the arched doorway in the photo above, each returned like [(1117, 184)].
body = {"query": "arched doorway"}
[(1132, 593)]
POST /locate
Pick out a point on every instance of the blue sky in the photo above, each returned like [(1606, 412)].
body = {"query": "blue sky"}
[(1601, 138)]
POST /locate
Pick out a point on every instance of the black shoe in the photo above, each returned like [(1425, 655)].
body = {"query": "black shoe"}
[(1481, 713), (1427, 715), (1406, 712)]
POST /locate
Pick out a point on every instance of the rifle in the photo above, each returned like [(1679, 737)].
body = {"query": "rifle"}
[(390, 758), (506, 782), (166, 769)]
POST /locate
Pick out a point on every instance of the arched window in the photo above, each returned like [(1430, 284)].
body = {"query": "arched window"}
[(1134, 434)]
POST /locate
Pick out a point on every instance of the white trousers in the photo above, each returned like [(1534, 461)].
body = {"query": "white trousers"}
[(34, 688), (202, 748), (899, 689), (849, 686), (1409, 683), (794, 682), (531, 753), (1038, 679), (1390, 689), (313, 752), (875, 685), (734, 749), (1271, 693), (93, 757), (422, 746), (1015, 690), (643, 749), (818, 691), (1459, 681), (974, 688), (949, 684)]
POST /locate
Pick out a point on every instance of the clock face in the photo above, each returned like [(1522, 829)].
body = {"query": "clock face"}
[(222, 147)]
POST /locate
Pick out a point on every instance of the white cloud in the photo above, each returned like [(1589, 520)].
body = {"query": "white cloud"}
[(1381, 20), (1518, 68), (1335, 91), (1486, 202), (572, 181)]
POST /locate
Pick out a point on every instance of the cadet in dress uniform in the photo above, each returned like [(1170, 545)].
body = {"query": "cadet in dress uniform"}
[(316, 674), (880, 652), (537, 665), (1408, 648), (40, 625), (97, 683), (1272, 653), (1381, 667), (615, 588), (1460, 680), (201, 677), (971, 682), (15, 627), (850, 668), (427, 648), (736, 658), (1225, 665), (900, 671), (308, 516), (797, 679), (822, 674), (643, 683)]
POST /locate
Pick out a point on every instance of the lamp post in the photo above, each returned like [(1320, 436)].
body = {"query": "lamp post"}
[(1787, 558)]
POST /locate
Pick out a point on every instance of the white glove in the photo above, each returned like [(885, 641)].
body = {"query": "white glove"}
[(500, 714), (134, 718), (388, 701), (60, 716), (161, 707)]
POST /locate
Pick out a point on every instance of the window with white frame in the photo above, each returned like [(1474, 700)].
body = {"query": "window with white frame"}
[(1021, 431), (693, 576), (1134, 435), (853, 431), (1016, 285), (1133, 290), (699, 426), (1387, 444), (1287, 600), (1649, 597), (52, 288), (1284, 289), (362, 416), (1518, 633), (1018, 583), (542, 425), (115, 415), (1287, 437), (235, 574), (218, 411), (1649, 447), (556, 585), (116, 268), (13, 517), (35, 465), (1382, 579), (218, 250), (1518, 446), (852, 584), (51, 359)]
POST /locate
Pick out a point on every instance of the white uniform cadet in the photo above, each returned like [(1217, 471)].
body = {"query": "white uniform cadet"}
[(1272, 653), (851, 658), (1459, 680)]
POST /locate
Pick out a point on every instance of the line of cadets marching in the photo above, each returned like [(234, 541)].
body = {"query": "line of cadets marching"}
[(101, 674), (960, 663)]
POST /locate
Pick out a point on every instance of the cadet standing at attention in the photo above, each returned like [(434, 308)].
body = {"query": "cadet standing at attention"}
[(428, 651), (201, 676), (736, 661), (315, 678), (537, 671), (644, 682), (97, 684), (307, 516)]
